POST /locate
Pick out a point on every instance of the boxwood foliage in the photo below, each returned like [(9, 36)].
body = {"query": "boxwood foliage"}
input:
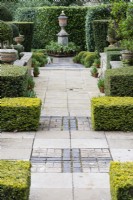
[(13, 81), (119, 82), (94, 13), (112, 113), (113, 56), (121, 180), (21, 114), (15, 178), (47, 26), (100, 28), (26, 29)]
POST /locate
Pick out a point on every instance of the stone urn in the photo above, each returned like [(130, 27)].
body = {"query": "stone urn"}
[(111, 40), (19, 39), (8, 55)]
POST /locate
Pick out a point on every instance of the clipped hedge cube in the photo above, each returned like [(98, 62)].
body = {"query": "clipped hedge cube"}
[(15, 179), (121, 180), (119, 82), (21, 114), (112, 113), (13, 81)]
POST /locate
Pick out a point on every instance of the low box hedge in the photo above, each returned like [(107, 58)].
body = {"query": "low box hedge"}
[(112, 56), (14, 180), (112, 113), (119, 82), (21, 114), (13, 81), (121, 180)]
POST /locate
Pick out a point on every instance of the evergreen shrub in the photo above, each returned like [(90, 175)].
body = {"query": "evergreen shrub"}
[(5, 14), (121, 180), (21, 114), (119, 82), (112, 113), (14, 180)]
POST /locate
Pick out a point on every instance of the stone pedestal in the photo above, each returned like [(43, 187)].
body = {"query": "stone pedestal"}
[(63, 37)]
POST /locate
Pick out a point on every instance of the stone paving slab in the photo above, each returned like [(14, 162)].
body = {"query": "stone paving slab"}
[(51, 194), (16, 143), (120, 143), (15, 154), (119, 135), (122, 155), (87, 135), (92, 194), (52, 135), (17, 135), (51, 180)]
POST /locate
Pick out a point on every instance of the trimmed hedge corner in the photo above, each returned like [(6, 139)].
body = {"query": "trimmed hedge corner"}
[(112, 113), (119, 82), (21, 114), (15, 179), (121, 180), (13, 81)]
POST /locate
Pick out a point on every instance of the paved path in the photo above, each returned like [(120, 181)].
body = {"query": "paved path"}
[(70, 161)]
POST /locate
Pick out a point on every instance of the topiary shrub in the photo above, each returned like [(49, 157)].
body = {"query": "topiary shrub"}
[(112, 113), (15, 178), (94, 13), (5, 32), (13, 81), (100, 28), (89, 59), (121, 180), (40, 58), (5, 14), (21, 114), (119, 82)]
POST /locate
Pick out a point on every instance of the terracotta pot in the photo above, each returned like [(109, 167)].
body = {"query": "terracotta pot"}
[(8, 55), (19, 39), (101, 89), (95, 75), (35, 74)]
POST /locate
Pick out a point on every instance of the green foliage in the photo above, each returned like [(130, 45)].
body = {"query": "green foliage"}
[(96, 62), (94, 13), (31, 83), (119, 82), (15, 30), (112, 56), (100, 82), (67, 2), (5, 32), (46, 24), (56, 49), (112, 113), (13, 81), (121, 180), (5, 14), (26, 29), (100, 28), (94, 70), (14, 180), (89, 59), (112, 49), (21, 114), (41, 58)]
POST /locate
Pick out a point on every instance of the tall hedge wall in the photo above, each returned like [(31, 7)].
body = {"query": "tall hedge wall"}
[(100, 28), (94, 13), (46, 24)]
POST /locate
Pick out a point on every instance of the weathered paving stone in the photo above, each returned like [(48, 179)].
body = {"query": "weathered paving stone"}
[(70, 160)]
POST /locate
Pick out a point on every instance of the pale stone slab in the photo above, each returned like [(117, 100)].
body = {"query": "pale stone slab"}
[(79, 113), (15, 154), (91, 180), (51, 194), (51, 180), (51, 143), (52, 135), (16, 143), (92, 194), (122, 155), (16, 135), (120, 144), (87, 135), (119, 135), (89, 143)]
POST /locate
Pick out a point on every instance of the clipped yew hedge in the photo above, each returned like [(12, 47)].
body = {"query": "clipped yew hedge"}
[(101, 12), (21, 114), (100, 28), (47, 26), (112, 113), (15, 178), (119, 82), (13, 81), (121, 180)]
